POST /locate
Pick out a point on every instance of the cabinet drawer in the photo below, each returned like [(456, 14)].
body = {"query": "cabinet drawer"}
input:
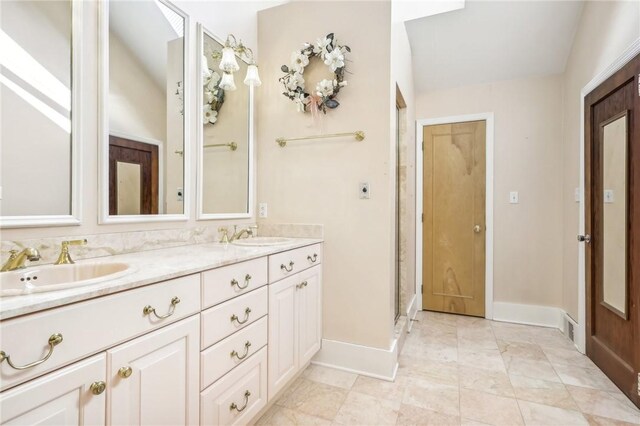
[(232, 351), (227, 318), (90, 326), (290, 262), (230, 281), (220, 403)]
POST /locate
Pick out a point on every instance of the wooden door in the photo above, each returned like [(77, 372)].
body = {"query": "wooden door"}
[(612, 225), (283, 333), (309, 313), (163, 384), (453, 273), (133, 172), (60, 398)]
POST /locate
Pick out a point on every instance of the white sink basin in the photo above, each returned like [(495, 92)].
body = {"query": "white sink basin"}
[(262, 241), (58, 277)]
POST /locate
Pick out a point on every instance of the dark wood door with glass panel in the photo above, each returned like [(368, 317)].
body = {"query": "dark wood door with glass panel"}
[(612, 178)]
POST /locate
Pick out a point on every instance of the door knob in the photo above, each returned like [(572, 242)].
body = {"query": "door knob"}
[(477, 229), (584, 238)]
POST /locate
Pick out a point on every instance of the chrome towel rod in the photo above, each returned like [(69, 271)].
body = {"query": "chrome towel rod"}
[(359, 135)]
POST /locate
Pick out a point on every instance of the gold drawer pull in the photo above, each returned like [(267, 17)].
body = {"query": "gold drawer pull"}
[(289, 269), (54, 340), (148, 310), (246, 351), (247, 278), (125, 372), (97, 387), (234, 317), (313, 259), (234, 406), (301, 285)]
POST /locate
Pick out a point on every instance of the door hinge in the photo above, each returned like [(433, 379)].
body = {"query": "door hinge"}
[(638, 95), (422, 292), (422, 217), (638, 384), (423, 141)]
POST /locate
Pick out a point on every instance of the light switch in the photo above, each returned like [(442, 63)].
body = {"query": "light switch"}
[(608, 196), (262, 210), (513, 197), (179, 195), (364, 190)]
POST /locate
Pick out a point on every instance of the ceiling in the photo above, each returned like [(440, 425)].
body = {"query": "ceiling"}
[(491, 41)]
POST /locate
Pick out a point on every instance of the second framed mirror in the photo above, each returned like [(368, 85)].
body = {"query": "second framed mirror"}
[(225, 135)]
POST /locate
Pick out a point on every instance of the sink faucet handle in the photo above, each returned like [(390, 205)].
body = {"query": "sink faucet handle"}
[(254, 230), (65, 257), (225, 234)]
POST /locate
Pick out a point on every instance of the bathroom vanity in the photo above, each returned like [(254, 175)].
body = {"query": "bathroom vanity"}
[(202, 334)]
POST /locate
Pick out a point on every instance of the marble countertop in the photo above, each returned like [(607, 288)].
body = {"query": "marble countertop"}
[(147, 267)]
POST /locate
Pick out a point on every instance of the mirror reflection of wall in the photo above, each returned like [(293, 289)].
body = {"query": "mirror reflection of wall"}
[(615, 166), (146, 80), (225, 155), (35, 110)]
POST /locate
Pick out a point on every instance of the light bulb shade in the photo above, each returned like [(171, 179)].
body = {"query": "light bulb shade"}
[(252, 78), (227, 83), (228, 62)]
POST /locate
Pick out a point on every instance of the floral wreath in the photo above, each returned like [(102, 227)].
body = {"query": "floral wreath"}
[(333, 55), (213, 96)]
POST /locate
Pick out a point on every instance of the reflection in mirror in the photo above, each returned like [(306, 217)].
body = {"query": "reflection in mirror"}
[(146, 122), (38, 152), (225, 138), (615, 163)]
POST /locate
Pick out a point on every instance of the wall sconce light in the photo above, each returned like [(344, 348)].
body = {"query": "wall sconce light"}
[(229, 65)]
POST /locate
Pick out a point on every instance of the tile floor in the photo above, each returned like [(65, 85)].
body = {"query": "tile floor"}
[(457, 370)]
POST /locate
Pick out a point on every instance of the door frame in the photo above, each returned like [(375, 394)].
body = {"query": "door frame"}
[(622, 60), (489, 142)]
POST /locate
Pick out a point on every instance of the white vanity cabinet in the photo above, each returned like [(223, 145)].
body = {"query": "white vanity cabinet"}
[(295, 315)]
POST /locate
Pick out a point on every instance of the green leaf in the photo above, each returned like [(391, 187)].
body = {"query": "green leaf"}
[(330, 36), (347, 48), (332, 103), (284, 68)]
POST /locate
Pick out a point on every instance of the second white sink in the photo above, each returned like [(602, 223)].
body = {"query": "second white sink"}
[(262, 241), (58, 277)]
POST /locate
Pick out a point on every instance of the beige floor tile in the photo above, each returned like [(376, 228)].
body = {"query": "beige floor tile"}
[(361, 409), (488, 408), (542, 392), (391, 391), (282, 416), (432, 396), (316, 399), (603, 421), (546, 415), (521, 350), (495, 382), (330, 376), (488, 359), (469, 422), (558, 356), (585, 377), (537, 369), (603, 404), (410, 415), (426, 369), (549, 337), (436, 351)]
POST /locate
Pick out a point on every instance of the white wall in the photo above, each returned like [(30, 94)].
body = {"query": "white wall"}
[(606, 29), (317, 181), (528, 149)]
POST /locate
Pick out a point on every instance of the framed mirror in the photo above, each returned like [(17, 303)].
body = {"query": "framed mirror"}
[(40, 113), (225, 136), (615, 169), (144, 118)]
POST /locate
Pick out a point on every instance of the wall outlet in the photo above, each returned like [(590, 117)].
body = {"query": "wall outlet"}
[(364, 191), (608, 196), (514, 197), (179, 194), (262, 210)]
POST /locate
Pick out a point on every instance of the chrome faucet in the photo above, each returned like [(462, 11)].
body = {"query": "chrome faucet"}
[(16, 259), (238, 234)]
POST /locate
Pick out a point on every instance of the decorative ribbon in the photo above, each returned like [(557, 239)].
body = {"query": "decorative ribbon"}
[(314, 106)]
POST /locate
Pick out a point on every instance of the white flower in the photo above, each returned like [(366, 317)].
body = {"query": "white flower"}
[(210, 116), (343, 83), (334, 59), (321, 46), (208, 96), (299, 61), (301, 101), (324, 88), (294, 81), (213, 81)]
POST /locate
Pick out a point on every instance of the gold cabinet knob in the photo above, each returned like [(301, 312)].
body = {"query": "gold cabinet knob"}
[(125, 372), (97, 387), (477, 229)]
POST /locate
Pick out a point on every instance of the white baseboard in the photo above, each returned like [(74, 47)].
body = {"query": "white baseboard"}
[(364, 360), (544, 316), (412, 311)]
